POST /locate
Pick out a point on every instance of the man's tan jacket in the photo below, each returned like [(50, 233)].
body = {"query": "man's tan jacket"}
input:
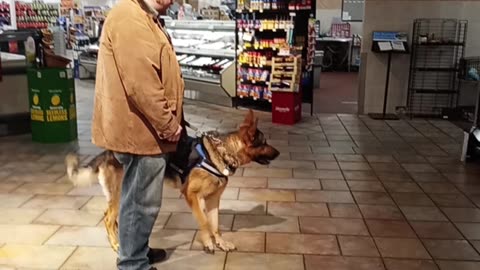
[(139, 87)]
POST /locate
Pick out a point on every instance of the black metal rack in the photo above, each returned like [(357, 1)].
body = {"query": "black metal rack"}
[(437, 47)]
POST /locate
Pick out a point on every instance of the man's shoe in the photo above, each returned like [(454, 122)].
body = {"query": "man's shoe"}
[(156, 255)]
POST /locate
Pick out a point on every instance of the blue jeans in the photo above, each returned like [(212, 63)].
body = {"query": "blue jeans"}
[(140, 203)]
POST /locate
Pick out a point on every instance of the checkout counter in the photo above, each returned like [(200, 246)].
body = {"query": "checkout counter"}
[(14, 99)]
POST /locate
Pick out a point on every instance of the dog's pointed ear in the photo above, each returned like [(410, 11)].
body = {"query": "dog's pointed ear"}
[(249, 119), (253, 128)]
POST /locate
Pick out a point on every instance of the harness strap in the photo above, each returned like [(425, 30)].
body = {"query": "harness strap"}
[(204, 163)]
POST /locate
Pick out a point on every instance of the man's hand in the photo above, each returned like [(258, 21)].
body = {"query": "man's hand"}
[(176, 137)]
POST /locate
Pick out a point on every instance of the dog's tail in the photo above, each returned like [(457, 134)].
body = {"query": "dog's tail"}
[(79, 176)]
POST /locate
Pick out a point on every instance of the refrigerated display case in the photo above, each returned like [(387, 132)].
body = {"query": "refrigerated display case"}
[(206, 54)]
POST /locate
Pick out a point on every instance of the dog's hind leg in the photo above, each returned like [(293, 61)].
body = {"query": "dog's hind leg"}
[(212, 204), (111, 180)]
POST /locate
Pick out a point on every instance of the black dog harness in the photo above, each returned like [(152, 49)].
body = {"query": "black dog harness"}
[(191, 154)]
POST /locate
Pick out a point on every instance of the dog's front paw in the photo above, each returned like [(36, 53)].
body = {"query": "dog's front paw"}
[(208, 247), (224, 245)]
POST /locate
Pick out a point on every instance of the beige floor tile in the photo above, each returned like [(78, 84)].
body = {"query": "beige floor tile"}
[(322, 174), (390, 228), (170, 192), (193, 260), (230, 193), (91, 258), (451, 250), (26, 234), (34, 257), (399, 264), (342, 263), (36, 177), (360, 175), (412, 199), (458, 265), (243, 207), (70, 217), (44, 188), (279, 183), (292, 164), (267, 172), (344, 210), (162, 219), (401, 248), (265, 223), (94, 190), (327, 165), (11, 200), (247, 182), (335, 185), (423, 213), (174, 205), (171, 239), (96, 203), (302, 244), (6, 187), (266, 195), (361, 246), (436, 230), (373, 186), (56, 202), (243, 241), (297, 209), (238, 261), (79, 236), (324, 196), (389, 212), (463, 214), (375, 198), (343, 226), (186, 221), (18, 216)]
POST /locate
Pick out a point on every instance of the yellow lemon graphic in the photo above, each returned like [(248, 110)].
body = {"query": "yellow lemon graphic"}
[(36, 100), (55, 100)]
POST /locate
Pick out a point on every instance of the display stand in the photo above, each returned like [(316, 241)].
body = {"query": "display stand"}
[(388, 43)]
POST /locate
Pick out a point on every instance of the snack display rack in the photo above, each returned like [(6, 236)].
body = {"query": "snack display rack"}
[(206, 53), (286, 74), (268, 30), (36, 15)]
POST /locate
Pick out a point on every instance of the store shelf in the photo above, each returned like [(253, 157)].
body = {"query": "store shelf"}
[(440, 44), (444, 69), (435, 91), (195, 78), (206, 52)]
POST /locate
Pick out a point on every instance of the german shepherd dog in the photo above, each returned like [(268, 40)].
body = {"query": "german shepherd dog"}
[(201, 188)]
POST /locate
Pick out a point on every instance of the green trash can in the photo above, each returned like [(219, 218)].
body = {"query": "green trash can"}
[(52, 105)]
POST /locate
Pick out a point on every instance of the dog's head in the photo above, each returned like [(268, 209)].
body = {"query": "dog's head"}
[(256, 147)]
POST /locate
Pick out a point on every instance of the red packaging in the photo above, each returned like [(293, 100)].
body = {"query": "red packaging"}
[(286, 107)]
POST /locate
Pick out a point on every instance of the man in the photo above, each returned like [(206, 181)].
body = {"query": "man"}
[(138, 115)]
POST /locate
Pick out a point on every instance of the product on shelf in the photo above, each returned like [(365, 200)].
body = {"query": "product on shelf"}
[(260, 5), (5, 13), (36, 15)]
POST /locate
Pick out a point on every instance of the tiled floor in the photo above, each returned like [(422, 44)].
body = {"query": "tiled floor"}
[(347, 193)]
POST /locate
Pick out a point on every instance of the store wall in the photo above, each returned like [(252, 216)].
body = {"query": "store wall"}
[(329, 9), (398, 15)]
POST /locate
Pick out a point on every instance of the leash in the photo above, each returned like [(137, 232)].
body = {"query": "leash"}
[(198, 133)]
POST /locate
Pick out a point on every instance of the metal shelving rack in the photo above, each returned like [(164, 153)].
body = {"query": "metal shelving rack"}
[(437, 47)]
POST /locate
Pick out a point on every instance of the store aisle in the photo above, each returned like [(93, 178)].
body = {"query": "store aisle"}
[(347, 193), (338, 93)]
